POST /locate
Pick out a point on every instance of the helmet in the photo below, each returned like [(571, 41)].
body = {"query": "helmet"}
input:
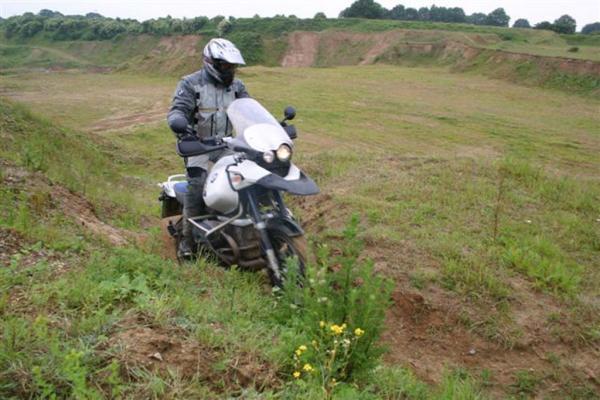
[(221, 57)]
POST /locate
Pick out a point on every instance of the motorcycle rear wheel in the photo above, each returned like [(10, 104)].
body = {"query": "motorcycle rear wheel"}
[(287, 247)]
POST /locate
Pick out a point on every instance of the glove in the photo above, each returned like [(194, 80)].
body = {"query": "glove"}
[(179, 124), (211, 141)]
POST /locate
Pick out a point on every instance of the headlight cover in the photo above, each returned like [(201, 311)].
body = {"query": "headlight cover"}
[(284, 153)]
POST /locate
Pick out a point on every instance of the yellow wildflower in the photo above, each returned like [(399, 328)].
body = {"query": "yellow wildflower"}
[(298, 352), (296, 374), (359, 332), (322, 324), (314, 343), (336, 329), (307, 367), (302, 348)]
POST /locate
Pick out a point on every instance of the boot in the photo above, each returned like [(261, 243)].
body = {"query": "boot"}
[(193, 206), (184, 251)]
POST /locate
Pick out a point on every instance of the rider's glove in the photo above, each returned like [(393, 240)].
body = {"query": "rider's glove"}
[(211, 141), (179, 125)]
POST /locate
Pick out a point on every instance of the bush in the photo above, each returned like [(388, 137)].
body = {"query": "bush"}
[(338, 315)]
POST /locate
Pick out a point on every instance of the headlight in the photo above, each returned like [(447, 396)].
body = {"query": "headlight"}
[(284, 153), (268, 156)]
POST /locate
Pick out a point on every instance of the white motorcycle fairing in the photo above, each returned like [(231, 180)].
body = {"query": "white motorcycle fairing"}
[(221, 191)]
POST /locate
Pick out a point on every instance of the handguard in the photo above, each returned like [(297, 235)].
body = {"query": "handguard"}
[(190, 146)]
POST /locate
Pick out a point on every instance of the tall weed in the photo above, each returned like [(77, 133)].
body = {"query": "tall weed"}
[(338, 315)]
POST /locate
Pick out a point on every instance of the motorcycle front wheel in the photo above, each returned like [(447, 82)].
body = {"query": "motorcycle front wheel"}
[(286, 250)]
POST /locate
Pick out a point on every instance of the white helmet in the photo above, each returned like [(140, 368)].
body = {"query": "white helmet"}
[(220, 59)]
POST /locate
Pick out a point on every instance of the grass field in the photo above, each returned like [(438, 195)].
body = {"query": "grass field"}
[(479, 199)]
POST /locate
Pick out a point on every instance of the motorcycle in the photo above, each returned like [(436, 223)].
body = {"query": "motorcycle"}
[(247, 222)]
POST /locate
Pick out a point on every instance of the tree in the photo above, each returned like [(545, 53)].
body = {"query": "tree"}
[(477, 19), (30, 28), (364, 9), (398, 12), (455, 14), (93, 15), (498, 17), (224, 27), (591, 28), (411, 14), (320, 15), (424, 14), (49, 13), (543, 25), (564, 24), (521, 23)]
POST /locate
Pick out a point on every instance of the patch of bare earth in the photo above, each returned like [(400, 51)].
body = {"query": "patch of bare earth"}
[(163, 350), (302, 50), (20, 253)]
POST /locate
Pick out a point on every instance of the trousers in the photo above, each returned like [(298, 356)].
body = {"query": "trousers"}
[(193, 203)]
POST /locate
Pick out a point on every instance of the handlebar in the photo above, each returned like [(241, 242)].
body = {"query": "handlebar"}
[(190, 146)]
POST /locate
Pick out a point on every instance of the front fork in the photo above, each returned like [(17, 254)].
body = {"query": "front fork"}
[(261, 227)]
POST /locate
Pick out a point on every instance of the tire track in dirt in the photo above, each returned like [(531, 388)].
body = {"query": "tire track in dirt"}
[(129, 120)]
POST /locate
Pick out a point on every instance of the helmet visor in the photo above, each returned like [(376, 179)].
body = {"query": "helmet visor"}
[(224, 66)]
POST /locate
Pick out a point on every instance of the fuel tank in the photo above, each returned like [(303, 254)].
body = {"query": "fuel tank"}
[(218, 193)]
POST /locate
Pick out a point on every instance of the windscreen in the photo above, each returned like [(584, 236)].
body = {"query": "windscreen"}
[(244, 113)]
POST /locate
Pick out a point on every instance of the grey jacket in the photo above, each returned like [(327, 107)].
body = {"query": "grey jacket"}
[(199, 105)]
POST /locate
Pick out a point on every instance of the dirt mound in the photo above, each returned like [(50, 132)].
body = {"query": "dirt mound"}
[(428, 333), (186, 45), (82, 211), (52, 196), (459, 51), (391, 46), (302, 50), (163, 350)]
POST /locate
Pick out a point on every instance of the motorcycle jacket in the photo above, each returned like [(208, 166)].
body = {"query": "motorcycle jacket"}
[(199, 105)]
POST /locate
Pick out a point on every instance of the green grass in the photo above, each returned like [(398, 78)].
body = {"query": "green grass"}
[(466, 186)]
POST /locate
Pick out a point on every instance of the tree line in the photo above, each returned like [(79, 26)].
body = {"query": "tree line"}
[(94, 26), (498, 17)]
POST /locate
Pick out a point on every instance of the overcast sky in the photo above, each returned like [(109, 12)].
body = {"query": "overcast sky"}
[(584, 11)]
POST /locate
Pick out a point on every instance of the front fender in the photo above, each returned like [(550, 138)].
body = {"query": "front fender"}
[(285, 225)]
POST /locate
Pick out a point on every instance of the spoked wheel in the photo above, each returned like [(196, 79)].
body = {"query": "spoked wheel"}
[(288, 248)]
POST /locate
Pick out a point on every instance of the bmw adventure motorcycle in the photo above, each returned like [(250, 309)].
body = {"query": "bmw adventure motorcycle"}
[(247, 223)]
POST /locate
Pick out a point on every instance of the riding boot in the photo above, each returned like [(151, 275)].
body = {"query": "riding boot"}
[(193, 206)]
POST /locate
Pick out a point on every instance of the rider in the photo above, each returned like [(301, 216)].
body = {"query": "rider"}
[(199, 109)]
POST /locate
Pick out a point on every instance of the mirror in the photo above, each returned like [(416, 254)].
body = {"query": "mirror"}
[(289, 113)]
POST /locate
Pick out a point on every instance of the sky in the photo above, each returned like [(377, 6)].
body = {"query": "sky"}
[(584, 11)]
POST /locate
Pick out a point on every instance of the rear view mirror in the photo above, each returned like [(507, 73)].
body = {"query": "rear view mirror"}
[(289, 113)]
